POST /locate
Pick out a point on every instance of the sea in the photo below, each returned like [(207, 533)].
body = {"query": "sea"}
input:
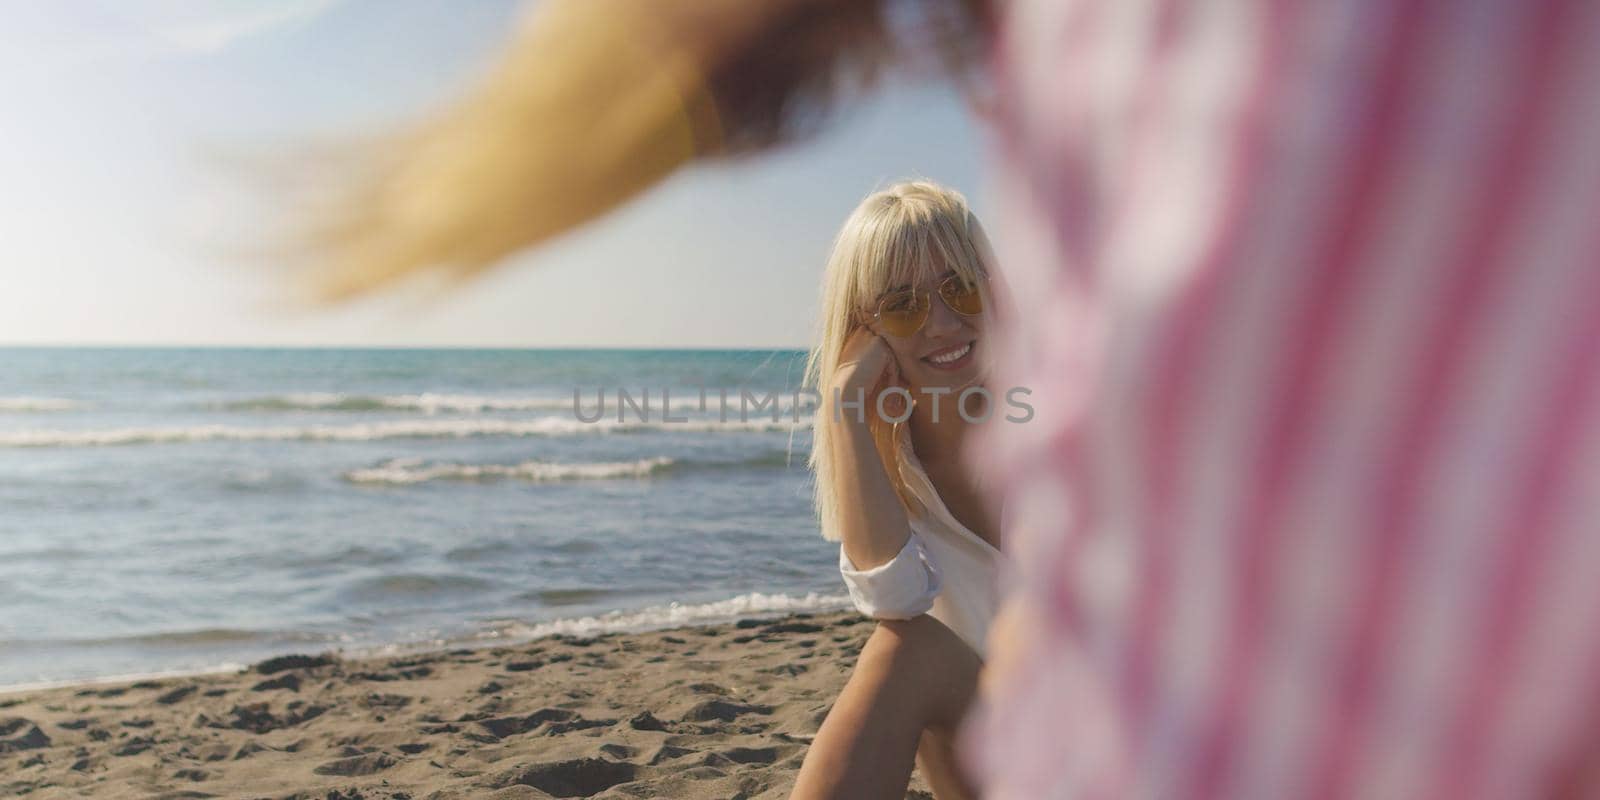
[(174, 510)]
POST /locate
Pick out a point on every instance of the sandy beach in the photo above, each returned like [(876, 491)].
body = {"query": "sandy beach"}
[(722, 711)]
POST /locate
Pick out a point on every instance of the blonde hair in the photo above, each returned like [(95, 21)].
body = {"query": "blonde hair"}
[(592, 103), (893, 238)]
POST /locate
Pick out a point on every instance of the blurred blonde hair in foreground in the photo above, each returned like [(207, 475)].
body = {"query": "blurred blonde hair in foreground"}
[(595, 101)]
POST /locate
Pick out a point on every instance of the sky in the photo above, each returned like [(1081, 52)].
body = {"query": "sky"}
[(135, 139)]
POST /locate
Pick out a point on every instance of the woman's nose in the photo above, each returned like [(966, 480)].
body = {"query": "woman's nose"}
[(942, 320)]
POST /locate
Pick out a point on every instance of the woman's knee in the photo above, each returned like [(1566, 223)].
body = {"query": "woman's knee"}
[(936, 758)]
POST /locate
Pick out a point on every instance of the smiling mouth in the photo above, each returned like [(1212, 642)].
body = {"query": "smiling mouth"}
[(952, 358)]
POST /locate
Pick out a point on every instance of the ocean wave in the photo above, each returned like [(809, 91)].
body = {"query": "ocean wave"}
[(502, 548), (746, 606), (438, 403), (408, 471), (57, 553), (415, 584), (342, 557), (400, 472), (26, 405), (427, 403), (373, 431), (671, 615), (189, 638), (566, 597), (260, 479)]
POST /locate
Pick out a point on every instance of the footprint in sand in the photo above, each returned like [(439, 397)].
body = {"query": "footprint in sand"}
[(752, 755), (618, 751), (175, 695), (17, 734), (667, 752), (367, 764), (723, 711), (579, 777)]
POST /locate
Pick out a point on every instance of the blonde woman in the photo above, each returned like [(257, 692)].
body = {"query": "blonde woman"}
[(898, 364)]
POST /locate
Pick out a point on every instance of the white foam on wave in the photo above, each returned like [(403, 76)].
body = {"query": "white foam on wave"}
[(439, 403), (673, 615), (754, 605), (127, 677), (426, 402), (407, 471), (373, 431), (10, 405)]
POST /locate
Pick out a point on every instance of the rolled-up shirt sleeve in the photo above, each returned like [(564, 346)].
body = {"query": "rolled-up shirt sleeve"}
[(900, 588)]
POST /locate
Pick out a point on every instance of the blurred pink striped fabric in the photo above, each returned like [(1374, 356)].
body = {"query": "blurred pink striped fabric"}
[(1311, 506)]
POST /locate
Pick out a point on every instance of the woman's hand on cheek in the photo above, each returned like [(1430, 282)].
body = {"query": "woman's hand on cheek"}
[(868, 367), (895, 405)]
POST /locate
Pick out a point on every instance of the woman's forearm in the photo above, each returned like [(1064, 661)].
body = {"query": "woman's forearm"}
[(873, 524)]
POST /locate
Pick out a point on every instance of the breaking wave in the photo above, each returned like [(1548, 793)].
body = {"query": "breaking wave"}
[(24, 405), (402, 472), (374, 431), (427, 403)]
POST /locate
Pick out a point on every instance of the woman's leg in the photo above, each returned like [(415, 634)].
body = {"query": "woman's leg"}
[(936, 757), (912, 676)]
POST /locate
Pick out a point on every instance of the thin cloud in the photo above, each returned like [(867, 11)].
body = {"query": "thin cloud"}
[(38, 38), (228, 23)]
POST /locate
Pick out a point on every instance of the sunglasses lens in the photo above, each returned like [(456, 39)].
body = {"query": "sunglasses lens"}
[(902, 313), (963, 298)]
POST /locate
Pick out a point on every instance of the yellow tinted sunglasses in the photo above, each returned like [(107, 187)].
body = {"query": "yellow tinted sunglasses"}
[(903, 312)]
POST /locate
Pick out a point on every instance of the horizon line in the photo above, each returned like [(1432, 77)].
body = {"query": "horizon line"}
[(346, 346)]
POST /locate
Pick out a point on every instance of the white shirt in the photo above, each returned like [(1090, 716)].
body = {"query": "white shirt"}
[(945, 570)]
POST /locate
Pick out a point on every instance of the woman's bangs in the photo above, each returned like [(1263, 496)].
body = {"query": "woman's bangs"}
[(941, 247), (957, 253), (912, 245), (885, 262)]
